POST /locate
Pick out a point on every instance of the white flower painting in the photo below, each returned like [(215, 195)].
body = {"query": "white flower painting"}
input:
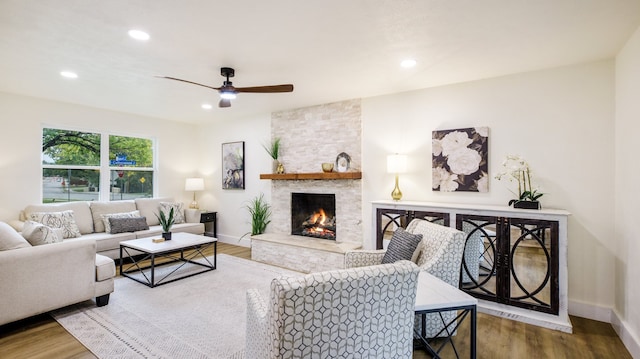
[(460, 160)]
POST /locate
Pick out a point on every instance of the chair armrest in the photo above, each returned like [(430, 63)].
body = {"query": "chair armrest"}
[(363, 258), (257, 337)]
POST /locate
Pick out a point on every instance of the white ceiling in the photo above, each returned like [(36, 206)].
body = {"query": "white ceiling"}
[(331, 50)]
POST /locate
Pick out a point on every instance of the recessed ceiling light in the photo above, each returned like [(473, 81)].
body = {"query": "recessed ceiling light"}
[(408, 63), (139, 35), (69, 74), (207, 106)]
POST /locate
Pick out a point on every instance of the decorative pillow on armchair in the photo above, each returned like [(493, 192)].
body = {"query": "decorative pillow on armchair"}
[(133, 224), (402, 246), (178, 210), (38, 234), (64, 220)]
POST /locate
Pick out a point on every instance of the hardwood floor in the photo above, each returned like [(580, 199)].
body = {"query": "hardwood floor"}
[(42, 337)]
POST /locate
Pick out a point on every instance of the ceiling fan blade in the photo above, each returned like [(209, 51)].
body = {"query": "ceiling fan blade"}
[(266, 89), (224, 103), (190, 82)]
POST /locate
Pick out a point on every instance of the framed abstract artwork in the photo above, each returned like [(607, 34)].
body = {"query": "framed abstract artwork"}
[(233, 165), (460, 160)]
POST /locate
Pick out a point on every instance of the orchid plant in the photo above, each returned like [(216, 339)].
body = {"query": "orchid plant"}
[(517, 169)]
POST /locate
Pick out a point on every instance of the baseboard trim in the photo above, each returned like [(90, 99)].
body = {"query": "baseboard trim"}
[(590, 311), (629, 339), (243, 242), (608, 315)]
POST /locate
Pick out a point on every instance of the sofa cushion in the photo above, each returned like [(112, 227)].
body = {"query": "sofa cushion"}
[(107, 217), (100, 208), (178, 210), (38, 234), (132, 224), (81, 213), (107, 242), (105, 268), (402, 246), (149, 208), (10, 239), (65, 220)]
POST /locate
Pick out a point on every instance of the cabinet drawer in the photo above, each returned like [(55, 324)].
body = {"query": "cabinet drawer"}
[(207, 217)]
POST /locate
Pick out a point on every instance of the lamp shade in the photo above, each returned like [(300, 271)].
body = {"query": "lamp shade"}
[(194, 184), (396, 163)]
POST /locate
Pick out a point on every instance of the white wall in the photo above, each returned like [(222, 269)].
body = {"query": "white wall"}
[(627, 195), (561, 120), (233, 219), (22, 119)]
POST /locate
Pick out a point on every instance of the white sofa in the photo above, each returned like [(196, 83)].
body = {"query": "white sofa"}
[(87, 215), (38, 279)]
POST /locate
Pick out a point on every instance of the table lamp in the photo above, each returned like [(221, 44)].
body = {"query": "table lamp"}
[(396, 164), (194, 184)]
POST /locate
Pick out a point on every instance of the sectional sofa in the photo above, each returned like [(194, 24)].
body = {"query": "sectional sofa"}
[(39, 277), (89, 218)]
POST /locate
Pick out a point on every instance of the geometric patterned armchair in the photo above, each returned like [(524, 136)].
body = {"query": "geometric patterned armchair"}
[(440, 254), (347, 313)]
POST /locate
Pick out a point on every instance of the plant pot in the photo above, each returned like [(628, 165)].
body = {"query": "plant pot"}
[(166, 236), (527, 204)]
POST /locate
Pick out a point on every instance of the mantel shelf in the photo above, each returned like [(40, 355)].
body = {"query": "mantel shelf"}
[(313, 176)]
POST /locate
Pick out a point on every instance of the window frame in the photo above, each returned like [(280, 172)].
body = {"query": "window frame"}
[(104, 168)]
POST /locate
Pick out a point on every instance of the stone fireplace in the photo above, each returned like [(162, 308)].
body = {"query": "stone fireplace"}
[(313, 215), (303, 151)]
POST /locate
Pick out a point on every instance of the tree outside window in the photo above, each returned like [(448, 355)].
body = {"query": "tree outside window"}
[(73, 166)]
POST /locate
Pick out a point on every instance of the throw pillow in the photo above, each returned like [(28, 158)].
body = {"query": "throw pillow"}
[(178, 210), (107, 224), (64, 220), (10, 239), (133, 224), (402, 246), (38, 234)]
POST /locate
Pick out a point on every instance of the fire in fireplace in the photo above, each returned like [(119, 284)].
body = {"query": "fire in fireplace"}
[(313, 215)]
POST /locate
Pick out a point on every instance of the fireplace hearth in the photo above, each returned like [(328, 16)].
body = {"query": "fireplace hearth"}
[(313, 215)]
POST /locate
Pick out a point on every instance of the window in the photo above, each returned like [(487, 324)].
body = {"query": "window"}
[(80, 166)]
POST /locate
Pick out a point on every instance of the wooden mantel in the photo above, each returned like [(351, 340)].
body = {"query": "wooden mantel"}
[(312, 176)]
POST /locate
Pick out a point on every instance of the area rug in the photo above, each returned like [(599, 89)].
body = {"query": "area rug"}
[(197, 317)]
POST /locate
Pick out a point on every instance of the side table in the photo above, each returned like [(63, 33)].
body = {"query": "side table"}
[(210, 223)]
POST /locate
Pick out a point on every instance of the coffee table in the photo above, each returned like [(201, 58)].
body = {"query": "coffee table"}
[(182, 257), (436, 296)]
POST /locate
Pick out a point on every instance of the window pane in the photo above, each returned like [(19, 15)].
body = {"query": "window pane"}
[(131, 184), (66, 185), (61, 147), (130, 152)]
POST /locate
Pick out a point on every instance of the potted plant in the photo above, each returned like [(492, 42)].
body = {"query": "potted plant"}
[(517, 169), (166, 222), (260, 212), (273, 149)]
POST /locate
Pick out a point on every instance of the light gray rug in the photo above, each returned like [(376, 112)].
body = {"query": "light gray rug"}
[(198, 317)]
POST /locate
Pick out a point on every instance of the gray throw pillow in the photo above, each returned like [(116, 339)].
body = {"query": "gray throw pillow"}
[(402, 246), (132, 224)]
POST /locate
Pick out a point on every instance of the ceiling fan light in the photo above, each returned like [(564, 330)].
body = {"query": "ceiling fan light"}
[(139, 35), (228, 95)]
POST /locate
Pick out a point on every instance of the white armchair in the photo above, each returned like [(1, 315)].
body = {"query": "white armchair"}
[(440, 254), (349, 313)]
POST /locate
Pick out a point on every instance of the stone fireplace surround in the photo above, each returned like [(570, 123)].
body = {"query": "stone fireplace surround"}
[(309, 137)]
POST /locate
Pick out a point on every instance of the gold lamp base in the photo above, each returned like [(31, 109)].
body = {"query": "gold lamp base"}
[(396, 194), (194, 203)]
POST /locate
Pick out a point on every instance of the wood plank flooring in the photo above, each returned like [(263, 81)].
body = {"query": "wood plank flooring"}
[(42, 337)]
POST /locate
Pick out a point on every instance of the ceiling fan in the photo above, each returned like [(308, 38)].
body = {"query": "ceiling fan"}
[(228, 92)]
